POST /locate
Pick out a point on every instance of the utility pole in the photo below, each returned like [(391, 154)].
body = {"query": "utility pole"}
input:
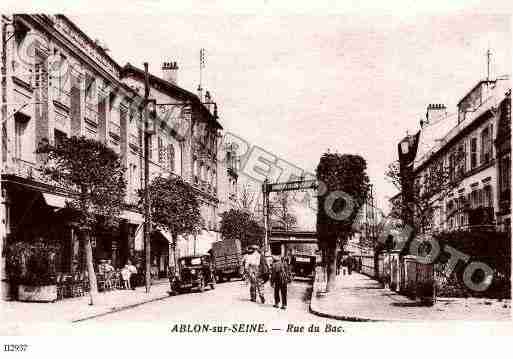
[(147, 222), (265, 210), (488, 64)]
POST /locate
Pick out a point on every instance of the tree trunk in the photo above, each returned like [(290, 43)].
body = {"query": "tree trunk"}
[(93, 286), (175, 260), (331, 267)]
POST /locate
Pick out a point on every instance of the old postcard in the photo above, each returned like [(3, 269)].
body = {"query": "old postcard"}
[(259, 169)]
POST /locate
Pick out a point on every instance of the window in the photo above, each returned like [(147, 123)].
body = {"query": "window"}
[(461, 158), (63, 81), (90, 87), (38, 72), (133, 180), (487, 197), (474, 199), (505, 174), (486, 146), (22, 148), (161, 150), (473, 153), (150, 147), (59, 137), (452, 166), (450, 214)]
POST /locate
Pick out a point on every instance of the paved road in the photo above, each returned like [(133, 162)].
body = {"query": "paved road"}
[(227, 305)]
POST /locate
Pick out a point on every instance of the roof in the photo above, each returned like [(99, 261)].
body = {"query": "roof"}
[(175, 90), (95, 45), (437, 136)]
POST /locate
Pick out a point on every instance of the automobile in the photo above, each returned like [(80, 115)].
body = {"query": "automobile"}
[(303, 265), (194, 272)]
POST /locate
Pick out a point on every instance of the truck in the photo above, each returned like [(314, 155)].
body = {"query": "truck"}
[(227, 255)]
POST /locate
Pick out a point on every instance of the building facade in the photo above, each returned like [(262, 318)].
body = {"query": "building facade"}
[(57, 82), (473, 146)]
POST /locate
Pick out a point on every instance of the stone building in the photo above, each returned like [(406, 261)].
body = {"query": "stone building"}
[(473, 144)]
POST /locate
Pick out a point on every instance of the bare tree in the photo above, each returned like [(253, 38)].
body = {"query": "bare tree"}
[(247, 198), (280, 210), (431, 187)]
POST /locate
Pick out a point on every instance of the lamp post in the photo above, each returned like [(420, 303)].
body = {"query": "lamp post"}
[(406, 157), (149, 108)]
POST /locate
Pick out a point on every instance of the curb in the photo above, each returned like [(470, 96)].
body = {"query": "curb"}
[(120, 309), (346, 318)]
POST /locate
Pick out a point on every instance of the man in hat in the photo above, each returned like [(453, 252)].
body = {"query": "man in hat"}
[(253, 269)]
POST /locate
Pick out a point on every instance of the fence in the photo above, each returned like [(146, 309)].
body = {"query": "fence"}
[(367, 265), (404, 274)]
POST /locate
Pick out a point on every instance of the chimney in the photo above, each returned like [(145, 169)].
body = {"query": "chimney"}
[(208, 99), (435, 111), (200, 93), (170, 72)]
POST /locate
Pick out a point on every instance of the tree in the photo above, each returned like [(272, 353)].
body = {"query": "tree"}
[(95, 174), (241, 225), (343, 187), (247, 198), (430, 188), (280, 211), (175, 206)]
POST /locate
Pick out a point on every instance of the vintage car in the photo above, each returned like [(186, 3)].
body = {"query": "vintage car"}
[(303, 265), (194, 272)]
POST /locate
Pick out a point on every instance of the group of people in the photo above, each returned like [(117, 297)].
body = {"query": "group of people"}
[(257, 272), (128, 273)]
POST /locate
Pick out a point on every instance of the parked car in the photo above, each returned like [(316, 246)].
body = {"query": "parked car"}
[(194, 272), (303, 265)]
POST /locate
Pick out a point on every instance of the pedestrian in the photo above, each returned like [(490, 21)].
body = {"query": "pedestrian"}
[(133, 272), (125, 275), (280, 278), (109, 273), (349, 264), (255, 271)]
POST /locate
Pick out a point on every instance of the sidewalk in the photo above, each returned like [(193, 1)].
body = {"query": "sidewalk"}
[(14, 314), (360, 298)]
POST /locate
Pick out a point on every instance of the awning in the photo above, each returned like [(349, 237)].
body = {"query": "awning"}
[(54, 200), (166, 235), (139, 238), (132, 217)]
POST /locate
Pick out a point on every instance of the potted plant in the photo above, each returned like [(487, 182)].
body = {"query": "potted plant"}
[(31, 269)]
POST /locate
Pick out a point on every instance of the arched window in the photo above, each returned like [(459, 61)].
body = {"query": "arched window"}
[(171, 157)]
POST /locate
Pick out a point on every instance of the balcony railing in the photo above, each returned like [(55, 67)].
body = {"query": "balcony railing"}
[(23, 169), (91, 113), (24, 72), (134, 139), (62, 97), (114, 129)]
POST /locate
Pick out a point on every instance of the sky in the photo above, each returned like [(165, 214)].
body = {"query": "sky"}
[(299, 78)]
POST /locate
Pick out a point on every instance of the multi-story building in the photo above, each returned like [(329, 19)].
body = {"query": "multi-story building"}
[(185, 144), (228, 177), (463, 143), (58, 82)]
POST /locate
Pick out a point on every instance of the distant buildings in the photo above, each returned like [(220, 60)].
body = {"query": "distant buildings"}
[(56, 82), (474, 146)]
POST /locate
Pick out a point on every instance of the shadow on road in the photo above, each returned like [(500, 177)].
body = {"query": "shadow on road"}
[(406, 305), (307, 295)]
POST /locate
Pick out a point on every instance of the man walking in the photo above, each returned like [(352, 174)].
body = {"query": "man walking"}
[(280, 277), (254, 272)]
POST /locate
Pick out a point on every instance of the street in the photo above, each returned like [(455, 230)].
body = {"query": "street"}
[(228, 304)]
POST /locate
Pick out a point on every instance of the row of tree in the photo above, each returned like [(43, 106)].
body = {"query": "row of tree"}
[(94, 172)]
